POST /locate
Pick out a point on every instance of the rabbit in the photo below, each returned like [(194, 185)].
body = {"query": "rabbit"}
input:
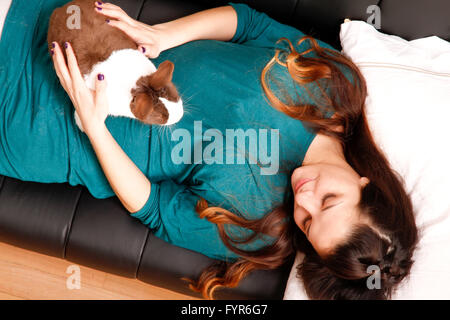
[(136, 88)]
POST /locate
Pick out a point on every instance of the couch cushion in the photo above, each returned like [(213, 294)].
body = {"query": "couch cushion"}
[(164, 265), (416, 19), (322, 19), (37, 216), (104, 236), (132, 8)]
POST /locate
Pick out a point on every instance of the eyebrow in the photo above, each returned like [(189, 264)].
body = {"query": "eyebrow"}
[(307, 231)]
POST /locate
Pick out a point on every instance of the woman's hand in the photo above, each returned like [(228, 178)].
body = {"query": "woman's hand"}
[(91, 106), (149, 39)]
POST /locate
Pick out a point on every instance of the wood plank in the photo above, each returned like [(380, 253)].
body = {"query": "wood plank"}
[(27, 274), (5, 296)]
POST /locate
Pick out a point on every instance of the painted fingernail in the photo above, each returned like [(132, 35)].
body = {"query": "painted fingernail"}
[(99, 9), (53, 45), (100, 77), (143, 49), (99, 3), (66, 45), (52, 52), (107, 20)]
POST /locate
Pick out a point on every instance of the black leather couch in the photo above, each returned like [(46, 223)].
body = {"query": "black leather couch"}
[(67, 222)]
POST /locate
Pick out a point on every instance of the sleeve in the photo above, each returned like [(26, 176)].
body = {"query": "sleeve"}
[(148, 213), (258, 27), (170, 211)]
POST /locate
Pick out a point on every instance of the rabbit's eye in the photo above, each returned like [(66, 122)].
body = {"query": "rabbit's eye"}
[(162, 92)]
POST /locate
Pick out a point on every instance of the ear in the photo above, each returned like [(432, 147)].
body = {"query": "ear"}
[(141, 106), (149, 111), (364, 181), (162, 76)]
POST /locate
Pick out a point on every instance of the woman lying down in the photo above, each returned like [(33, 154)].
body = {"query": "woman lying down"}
[(272, 155)]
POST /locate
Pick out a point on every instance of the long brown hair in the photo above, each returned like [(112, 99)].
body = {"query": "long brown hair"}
[(390, 240)]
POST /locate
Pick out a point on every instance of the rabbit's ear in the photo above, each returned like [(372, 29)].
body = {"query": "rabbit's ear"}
[(149, 109), (162, 76)]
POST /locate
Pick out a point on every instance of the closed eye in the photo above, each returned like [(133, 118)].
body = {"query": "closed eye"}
[(304, 224), (309, 226), (308, 219), (325, 198)]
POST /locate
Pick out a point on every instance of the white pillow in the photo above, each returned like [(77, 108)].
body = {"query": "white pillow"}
[(4, 8), (408, 110)]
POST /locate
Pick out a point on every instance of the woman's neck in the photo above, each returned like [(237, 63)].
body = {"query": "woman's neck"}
[(325, 149)]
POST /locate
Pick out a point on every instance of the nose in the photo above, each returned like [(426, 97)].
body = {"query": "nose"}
[(309, 202), (175, 110)]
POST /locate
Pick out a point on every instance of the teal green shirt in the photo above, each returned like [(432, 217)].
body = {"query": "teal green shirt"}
[(231, 147)]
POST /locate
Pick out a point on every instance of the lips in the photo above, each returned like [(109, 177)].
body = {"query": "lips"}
[(300, 184)]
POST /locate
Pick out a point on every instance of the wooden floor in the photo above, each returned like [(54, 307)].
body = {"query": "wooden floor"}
[(29, 275)]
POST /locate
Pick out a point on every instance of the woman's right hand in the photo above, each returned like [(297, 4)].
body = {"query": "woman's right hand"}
[(148, 38)]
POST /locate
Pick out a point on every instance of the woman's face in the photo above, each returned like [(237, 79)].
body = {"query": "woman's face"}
[(325, 203)]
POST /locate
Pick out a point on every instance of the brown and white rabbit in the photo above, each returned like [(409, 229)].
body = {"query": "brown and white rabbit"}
[(136, 89)]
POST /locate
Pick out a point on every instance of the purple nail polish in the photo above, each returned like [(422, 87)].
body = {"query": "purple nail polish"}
[(107, 20), (99, 3), (66, 45), (99, 9), (52, 52), (53, 45), (100, 77), (143, 49)]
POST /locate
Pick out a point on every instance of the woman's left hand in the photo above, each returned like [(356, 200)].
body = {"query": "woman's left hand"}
[(91, 106)]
